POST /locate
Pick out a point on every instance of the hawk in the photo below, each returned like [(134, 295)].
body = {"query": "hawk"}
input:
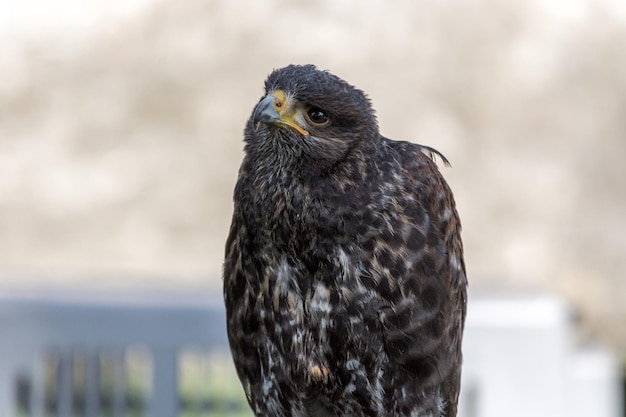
[(344, 278)]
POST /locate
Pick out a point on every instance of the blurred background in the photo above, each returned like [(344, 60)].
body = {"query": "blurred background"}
[(121, 134)]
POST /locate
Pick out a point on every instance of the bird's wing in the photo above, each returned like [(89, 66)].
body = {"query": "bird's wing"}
[(422, 322)]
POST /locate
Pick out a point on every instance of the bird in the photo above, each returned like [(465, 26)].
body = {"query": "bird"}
[(344, 280)]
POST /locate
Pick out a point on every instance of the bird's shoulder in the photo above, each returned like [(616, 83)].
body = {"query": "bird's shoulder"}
[(408, 176), (414, 160)]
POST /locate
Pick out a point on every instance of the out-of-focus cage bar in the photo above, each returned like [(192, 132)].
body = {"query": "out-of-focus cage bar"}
[(93, 356)]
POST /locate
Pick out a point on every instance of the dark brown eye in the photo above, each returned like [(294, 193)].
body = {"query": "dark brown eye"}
[(318, 116)]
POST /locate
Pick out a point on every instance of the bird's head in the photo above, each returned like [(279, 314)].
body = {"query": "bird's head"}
[(308, 116)]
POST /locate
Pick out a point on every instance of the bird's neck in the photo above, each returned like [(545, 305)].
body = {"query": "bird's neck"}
[(282, 203)]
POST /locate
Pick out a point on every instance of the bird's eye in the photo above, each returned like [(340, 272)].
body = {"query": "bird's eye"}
[(318, 116)]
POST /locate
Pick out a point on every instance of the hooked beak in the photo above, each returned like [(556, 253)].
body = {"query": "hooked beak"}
[(265, 112), (277, 109)]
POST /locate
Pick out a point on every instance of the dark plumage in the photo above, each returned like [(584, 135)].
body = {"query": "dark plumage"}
[(344, 278)]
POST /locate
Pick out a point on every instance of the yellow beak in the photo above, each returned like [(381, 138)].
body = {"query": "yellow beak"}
[(277, 109)]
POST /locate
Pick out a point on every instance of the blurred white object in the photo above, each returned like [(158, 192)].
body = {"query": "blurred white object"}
[(520, 361)]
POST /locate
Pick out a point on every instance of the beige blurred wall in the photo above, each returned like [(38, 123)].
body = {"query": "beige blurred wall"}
[(121, 122)]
